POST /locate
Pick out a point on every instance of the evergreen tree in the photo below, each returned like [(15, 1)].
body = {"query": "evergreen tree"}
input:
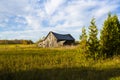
[(83, 40), (93, 43), (110, 36)]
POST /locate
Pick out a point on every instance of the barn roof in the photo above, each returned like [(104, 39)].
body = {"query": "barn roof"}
[(63, 36)]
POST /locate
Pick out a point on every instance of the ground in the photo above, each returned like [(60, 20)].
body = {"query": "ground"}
[(28, 62)]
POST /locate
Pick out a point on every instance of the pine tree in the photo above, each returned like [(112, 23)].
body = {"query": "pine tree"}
[(93, 43), (110, 36), (83, 40)]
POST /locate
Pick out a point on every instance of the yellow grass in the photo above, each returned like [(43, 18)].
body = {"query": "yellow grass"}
[(28, 62)]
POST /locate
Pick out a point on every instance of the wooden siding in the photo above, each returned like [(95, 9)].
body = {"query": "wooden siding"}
[(51, 41)]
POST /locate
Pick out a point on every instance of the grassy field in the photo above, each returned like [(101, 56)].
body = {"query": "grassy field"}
[(27, 62)]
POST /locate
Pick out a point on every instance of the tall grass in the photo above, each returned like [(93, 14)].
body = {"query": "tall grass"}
[(27, 62)]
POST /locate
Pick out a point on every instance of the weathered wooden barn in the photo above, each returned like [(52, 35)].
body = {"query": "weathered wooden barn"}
[(55, 40)]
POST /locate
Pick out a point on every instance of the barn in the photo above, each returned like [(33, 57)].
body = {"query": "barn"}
[(55, 40)]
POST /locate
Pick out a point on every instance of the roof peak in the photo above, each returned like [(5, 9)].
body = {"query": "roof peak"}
[(62, 36), (58, 33)]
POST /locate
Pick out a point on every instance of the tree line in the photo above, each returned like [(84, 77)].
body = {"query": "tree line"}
[(16, 42), (108, 44)]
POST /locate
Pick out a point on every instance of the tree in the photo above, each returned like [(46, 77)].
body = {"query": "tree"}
[(40, 40), (93, 42), (84, 35), (83, 40), (110, 36)]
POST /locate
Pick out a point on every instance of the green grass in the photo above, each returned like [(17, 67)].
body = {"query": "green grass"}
[(27, 62)]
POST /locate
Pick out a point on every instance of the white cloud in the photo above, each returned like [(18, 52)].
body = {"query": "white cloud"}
[(32, 22), (64, 16), (52, 5), (13, 6)]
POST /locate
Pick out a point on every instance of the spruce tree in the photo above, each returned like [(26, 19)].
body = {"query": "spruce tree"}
[(93, 43), (110, 36), (83, 40)]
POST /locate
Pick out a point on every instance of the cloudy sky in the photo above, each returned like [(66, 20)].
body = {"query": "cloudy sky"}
[(33, 19)]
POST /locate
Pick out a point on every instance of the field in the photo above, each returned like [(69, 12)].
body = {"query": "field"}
[(27, 62)]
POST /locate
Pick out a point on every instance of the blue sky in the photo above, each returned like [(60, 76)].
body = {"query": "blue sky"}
[(33, 19)]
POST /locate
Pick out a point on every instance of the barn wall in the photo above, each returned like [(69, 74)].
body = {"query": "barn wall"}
[(40, 44), (60, 43), (50, 41)]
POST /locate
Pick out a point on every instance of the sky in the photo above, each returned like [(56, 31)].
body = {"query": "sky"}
[(33, 19)]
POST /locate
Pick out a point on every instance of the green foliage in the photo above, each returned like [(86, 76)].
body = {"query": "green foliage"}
[(93, 43), (83, 37), (26, 42), (16, 42), (110, 36), (83, 40)]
